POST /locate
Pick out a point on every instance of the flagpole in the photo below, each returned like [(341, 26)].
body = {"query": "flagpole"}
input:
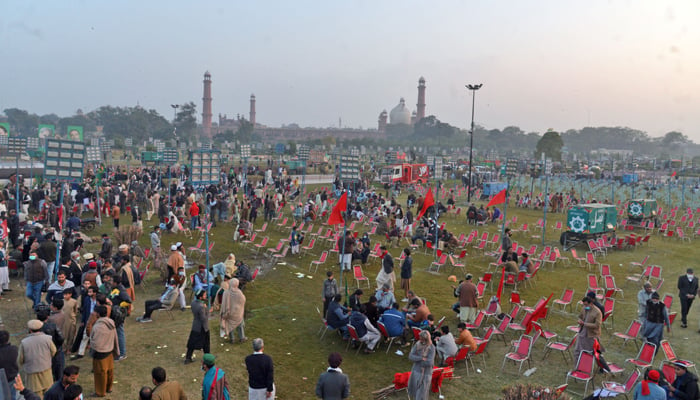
[(345, 223), (546, 198), (505, 211)]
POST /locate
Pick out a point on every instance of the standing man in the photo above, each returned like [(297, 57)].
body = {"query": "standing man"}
[(106, 249), (166, 390), (8, 361), (346, 251), (589, 321), (35, 353), (687, 290), (330, 289), (507, 243), (155, 246), (386, 273), (657, 316), (70, 377), (406, 272), (233, 311), (36, 275), (105, 346), (643, 296), (214, 385), (261, 384), (199, 334), (333, 384), (468, 299)]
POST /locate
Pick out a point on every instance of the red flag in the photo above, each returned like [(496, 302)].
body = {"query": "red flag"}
[(337, 212), (429, 201), (500, 284), (673, 174), (498, 199), (4, 230), (59, 211), (540, 312)]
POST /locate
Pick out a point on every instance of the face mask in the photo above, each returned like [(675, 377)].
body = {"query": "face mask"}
[(690, 277), (181, 273), (587, 308), (32, 258)]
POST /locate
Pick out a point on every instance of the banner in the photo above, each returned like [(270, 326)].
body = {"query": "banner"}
[(4, 129), (75, 133), (47, 131)]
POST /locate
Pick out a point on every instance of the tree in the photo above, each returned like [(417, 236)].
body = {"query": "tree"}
[(245, 131), (674, 140), (186, 120), (22, 122), (551, 145)]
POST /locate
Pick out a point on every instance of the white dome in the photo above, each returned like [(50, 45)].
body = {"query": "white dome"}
[(400, 114)]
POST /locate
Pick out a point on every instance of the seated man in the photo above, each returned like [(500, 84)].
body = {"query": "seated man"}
[(420, 235), (394, 320), (204, 280), (167, 299), (385, 298), (446, 346), (465, 337), (242, 274), (337, 316), (526, 264), (420, 316), (365, 330)]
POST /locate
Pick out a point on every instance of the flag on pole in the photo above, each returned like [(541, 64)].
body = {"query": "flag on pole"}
[(429, 201), (673, 174), (500, 285), (336, 216), (540, 312), (499, 198)]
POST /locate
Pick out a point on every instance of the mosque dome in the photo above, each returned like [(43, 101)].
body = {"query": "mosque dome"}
[(400, 114)]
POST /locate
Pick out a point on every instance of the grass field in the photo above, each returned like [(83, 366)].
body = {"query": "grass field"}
[(282, 309)]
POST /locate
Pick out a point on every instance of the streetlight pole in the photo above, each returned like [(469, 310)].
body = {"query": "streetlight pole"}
[(473, 88)]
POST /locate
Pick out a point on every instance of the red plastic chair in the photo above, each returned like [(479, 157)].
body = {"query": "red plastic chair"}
[(583, 371), (625, 388), (631, 334), (521, 354), (645, 357)]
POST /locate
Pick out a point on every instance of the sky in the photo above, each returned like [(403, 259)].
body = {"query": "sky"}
[(543, 64)]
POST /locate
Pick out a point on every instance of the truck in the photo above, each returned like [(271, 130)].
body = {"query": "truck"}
[(404, 174), (492, 189), (588, 221), (640, 210)]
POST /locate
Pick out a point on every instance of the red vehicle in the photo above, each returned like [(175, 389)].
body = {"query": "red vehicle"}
[(405, 173)]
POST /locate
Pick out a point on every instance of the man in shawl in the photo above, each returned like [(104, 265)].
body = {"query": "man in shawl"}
[(386, 273), (127, 279), (232, 310), (199, 334), (649, 387), (590, 321), (214, 385), (422, 355)]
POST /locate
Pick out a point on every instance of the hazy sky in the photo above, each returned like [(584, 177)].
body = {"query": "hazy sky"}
[(544, 64)]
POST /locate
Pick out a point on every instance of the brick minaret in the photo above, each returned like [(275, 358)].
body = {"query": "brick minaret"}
[(381, 126), (252, 110), (420, 107), (206, 106)]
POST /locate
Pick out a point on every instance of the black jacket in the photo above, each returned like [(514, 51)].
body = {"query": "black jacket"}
[(8, 361), (686, 287)]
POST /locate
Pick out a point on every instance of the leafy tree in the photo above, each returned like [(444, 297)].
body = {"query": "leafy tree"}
[(551, 145), (186, 120), (245, 131), (22, 122), (674, 140)]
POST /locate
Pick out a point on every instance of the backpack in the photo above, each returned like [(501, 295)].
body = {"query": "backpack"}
[(137, 275), (118, 314)]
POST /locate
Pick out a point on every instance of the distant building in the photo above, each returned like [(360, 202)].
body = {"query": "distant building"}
[(401, 115)]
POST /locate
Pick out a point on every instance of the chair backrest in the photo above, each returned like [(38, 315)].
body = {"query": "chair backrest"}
[(629, 383), (524, 345), (488, 277), (609, 305), (462, 354), (480, 287), (515, 297), (573, 253), (504, 323), (382, 329), (669, 372), (479, 318), (324, 255), (610, 282), (572, 343), (655, 272), (488, 333), (510, 278), (357, 270), (592, 281), (353, 332), (568, 295), (646, 353), (514, 312), (590, 258), (634, 328), (668, 301), (605, 270), (481, 347), (668, 350), (586, 363), (521, 276), (255, 274)]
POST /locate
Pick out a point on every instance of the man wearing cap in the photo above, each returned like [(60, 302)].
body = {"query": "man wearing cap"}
[(175, 261), (204, 280), (199, 334), (333, 384), (468, 299), (649, 389), (686, 384), (167, 299), (35, 353), (688, 289), (214, 385), (643, 296), (657, 316)]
